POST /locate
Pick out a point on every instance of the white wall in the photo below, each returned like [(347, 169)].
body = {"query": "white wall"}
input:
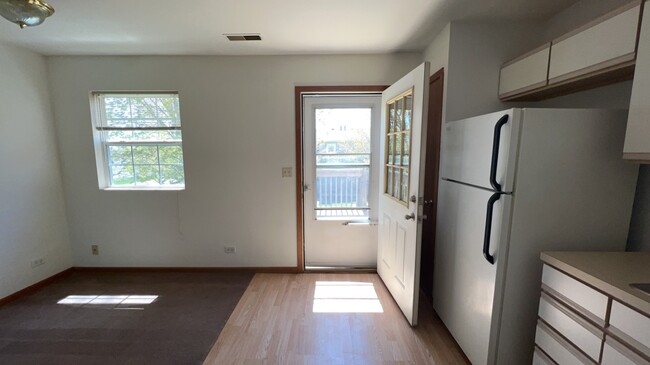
[(613, 96), (32, 213), (437, 54), (477, 51), (238, 132)]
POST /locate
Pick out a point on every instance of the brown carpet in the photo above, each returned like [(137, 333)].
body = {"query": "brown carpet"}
[(120, 318)]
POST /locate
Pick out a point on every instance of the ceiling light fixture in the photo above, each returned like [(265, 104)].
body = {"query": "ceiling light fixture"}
[(25, 13)]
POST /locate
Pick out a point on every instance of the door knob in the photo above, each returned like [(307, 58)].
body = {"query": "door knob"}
[(410, 216)]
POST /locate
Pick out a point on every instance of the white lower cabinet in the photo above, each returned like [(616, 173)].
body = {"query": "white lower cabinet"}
[(540, 358), (557, 348), (615, 353), (631, 326), (581, 325), (583, 335)]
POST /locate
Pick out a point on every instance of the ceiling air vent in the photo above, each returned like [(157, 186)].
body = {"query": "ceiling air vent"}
[(244, 37)]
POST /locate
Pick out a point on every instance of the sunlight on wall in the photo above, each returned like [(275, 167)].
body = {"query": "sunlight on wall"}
[(346, 297)]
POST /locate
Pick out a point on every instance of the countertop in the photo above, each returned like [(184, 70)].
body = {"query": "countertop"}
[(609, 272)]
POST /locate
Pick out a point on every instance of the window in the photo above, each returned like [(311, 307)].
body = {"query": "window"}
[(342, 159), (138, 140), (398, 140)]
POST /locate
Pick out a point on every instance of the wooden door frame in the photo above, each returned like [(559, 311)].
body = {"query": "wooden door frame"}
[(298, 93), (434, 134)]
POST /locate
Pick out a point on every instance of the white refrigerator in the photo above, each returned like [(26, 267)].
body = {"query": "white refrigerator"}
[(513, 184)]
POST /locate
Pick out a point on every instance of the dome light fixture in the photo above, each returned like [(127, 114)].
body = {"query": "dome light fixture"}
[(25, 13)]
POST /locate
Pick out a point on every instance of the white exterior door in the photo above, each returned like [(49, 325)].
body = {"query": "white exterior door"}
[(402, 144), (341, 142)]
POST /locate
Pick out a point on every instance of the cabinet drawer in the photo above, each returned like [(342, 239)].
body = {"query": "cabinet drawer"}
[(606, 42), (614, 353), (526, 73), (587, 301), (540, 358), (557, 348), (631, 326), (578, 331)]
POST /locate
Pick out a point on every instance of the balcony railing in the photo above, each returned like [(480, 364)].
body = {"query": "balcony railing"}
[(342, 191)]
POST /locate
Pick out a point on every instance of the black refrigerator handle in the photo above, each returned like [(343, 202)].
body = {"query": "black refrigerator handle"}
[(496, 142), (488, 227)]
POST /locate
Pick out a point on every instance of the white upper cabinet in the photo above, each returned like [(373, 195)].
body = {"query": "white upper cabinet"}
[(603, 43), (637, 139), (598, 53), (525, 73)]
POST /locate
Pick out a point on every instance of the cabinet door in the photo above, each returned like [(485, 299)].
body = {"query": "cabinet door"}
[(526, 73), (604, 43), (637, 140)]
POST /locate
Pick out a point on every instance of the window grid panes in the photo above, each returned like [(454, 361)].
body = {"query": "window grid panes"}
[(342, 153), (398, 142), (142, 140)]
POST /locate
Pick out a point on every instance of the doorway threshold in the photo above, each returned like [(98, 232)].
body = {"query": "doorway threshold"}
[(339, 269)]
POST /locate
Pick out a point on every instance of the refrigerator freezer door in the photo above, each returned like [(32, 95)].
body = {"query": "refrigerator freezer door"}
[(468, 149), (464, 281)]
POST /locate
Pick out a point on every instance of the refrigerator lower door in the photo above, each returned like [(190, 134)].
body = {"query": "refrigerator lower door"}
[(475, 149), (464, 280)]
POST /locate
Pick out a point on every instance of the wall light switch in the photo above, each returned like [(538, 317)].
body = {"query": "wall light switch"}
[(287, 171), (95, 249)]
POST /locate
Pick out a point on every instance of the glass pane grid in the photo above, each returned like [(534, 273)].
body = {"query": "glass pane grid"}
[(138, 110), (138, 165), (398, 152)]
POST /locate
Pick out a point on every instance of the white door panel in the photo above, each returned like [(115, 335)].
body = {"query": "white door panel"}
[(464, 281), (466, 150), (399, 237)]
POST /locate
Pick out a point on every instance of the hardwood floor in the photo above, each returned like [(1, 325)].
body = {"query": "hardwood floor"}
[(328, 319)]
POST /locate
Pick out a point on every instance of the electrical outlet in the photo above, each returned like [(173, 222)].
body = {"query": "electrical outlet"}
[(95, 249), (229, 249), (287, 171), (37, 262)]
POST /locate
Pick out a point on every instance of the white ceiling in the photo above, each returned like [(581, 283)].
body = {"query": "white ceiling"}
[(196, 27)]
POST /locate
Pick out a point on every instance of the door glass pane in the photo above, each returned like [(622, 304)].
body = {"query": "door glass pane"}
[(391, 150), (389, 181), (408, 110), (342, 156), (343, 131), (396, 183), (398, 115), (398, 149), (407, 149), (391, 118), (405, 185)]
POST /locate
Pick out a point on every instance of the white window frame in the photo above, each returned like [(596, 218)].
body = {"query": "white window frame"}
[(101, 145)]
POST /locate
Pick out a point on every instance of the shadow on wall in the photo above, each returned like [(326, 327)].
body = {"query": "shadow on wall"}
[(639, 236)]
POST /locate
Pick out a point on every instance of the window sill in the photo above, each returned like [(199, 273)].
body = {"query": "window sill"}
[(180, 188)]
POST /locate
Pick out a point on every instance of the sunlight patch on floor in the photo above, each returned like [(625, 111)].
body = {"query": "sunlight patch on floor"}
[(115, 301), (346, 297)]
